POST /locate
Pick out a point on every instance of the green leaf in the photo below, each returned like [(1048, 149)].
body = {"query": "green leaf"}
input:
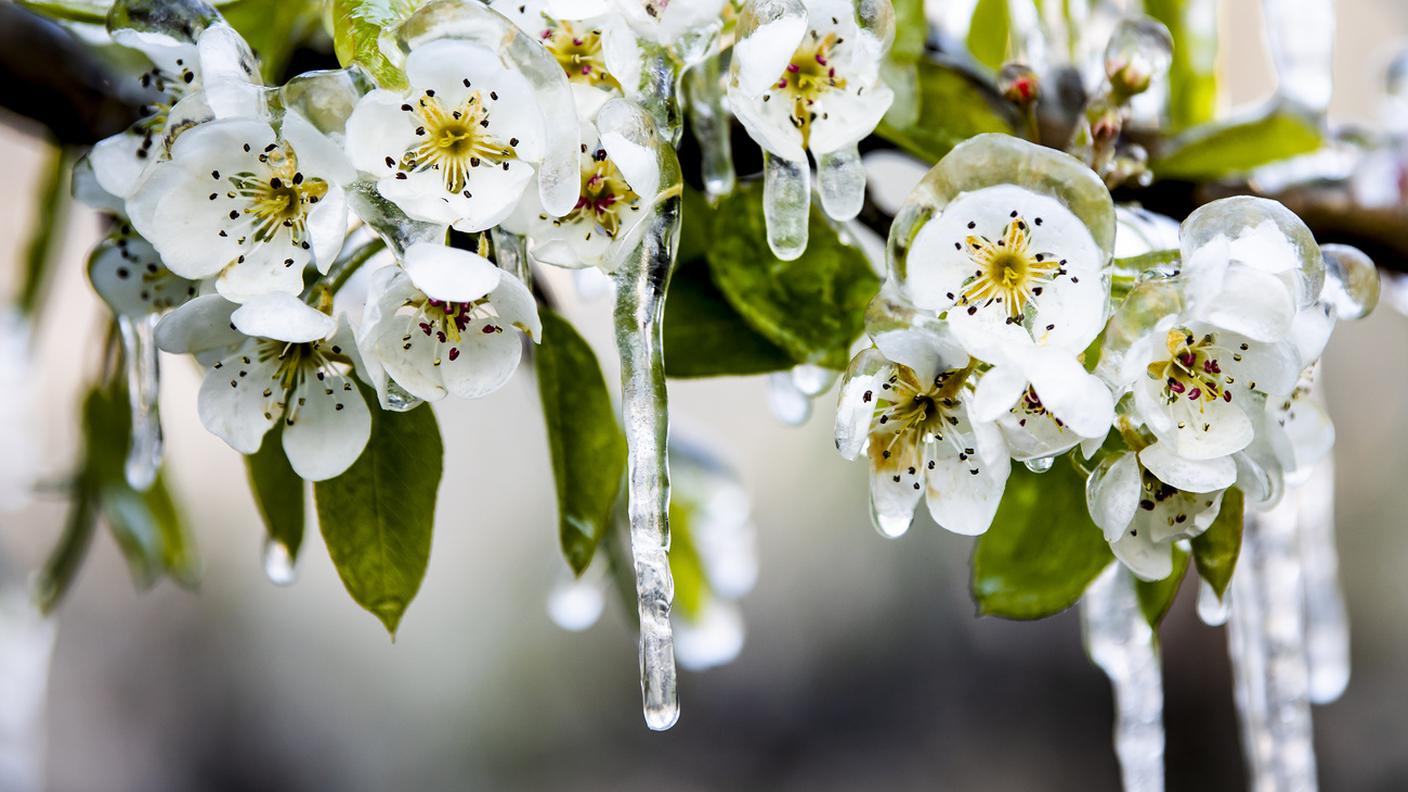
[(911, 31), (813, 307), (686, 567), (376, 518), (954, 105), (705, 337), (356, 30), (52, 203), (61, 568), (1156, 597), (148, 526), (1042, 549), (1215, 151), (274, 29), (1193, 74), (988, 31), (278, 492), (585, 441), (1215, 550)]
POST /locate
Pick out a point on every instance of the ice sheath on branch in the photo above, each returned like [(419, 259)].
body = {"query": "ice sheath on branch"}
[(641, 284), (1120, 641)]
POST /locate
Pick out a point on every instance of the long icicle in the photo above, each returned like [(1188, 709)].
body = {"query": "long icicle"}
[(1266, 641), (709, 121), (1120, 641), (143, 386), (1326, 623), (640, 303)]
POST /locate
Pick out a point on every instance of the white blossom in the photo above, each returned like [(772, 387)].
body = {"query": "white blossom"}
[(130, 277), (1044, 402), (444, 323), (273, 359), (246, 205), (460, 146), (908, 404)]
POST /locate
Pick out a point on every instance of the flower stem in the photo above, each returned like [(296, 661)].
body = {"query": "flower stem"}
[(342, 270)]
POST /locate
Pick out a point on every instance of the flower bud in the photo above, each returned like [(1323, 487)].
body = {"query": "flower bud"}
[(1018, 83), (1140, 50)]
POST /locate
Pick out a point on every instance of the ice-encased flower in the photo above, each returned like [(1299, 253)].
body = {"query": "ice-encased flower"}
[(619, 183), (460, 145), (189, 82), (668, 22), (443, 323), (249, 206), (595, 48), (130, 277), (805, 77), (907, 403), (1009, 242), (275, 358), (1146, 501), (1044, 402)]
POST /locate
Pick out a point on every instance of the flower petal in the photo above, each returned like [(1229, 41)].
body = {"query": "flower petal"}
[(514, 303), (856, 405), (329, 429), (1204, 475), (232, 404), (450, 274), (1112, 495), (483, 360), (201, 325), (282, 317)]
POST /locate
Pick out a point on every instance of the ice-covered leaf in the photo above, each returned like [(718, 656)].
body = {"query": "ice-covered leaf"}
[(706, 337), (1156, 597), (1193, 76), (1215, 551), (377, 517), (988, 32), (1214, 151), (954, 105), (1042, 549), (586, 443), (356, 30), (278, 492), (812, 307)]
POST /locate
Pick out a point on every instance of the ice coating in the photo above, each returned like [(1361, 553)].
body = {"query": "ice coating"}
[(1301, 35), (787, 201), (1351, 281), (1266, 641), (642, 282), (1326, 621), (143, 392), (1120, 641), (709, 121), (558, 179)]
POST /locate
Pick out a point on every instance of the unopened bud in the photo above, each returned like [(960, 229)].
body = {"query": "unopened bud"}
[(1018, 83), (1140, 50)]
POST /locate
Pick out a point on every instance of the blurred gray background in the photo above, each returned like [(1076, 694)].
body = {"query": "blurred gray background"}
[(864, 665)]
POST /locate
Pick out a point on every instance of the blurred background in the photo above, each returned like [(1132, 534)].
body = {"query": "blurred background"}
[(864, 665)]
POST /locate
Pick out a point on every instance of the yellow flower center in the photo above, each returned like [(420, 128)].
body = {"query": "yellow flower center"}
[(605, 195), (279, 199), (1007, 271), (910, 413), (579, 53), (807, 77), (454, 140), (1192, 370)]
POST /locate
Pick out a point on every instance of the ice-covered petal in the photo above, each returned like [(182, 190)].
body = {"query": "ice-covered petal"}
[(1147, 559), (964, 490), (408, 357), (276, 269), (856, 405), (201, 325), (1196, 430), (1078, 398), (997, 391), (282, 317), (377, 131), (450, 274), (1251, 302), (1204, 475), (128, 274), (514, 304), (1112, 495), (328, 429), (482, 361), (232, 404)]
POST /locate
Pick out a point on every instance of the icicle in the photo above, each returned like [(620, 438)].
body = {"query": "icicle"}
[(511, 254), (787, 200), (1120, 641), (1326, 624), (641, 285), (26, 646), (280, 565), (143, 391), (1211, 609), (709, 121), (1301, 36), (1266, 640), (840, 179)]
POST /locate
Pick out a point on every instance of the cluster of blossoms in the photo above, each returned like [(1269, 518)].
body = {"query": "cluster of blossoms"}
[(1006, 331), (242, 209)]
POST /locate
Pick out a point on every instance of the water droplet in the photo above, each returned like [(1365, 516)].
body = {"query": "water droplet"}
[(280, 566), (1040, 465), (1351, 281), (1139, 52), (1211, 610), (398, 399), (890, 526)]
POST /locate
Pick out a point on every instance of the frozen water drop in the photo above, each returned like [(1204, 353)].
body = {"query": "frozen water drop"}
[(787, 200), (788, 402), (1301, 36), (1351, 281), (280, 564), (709, 120), (398, 399), (1212, 610), (1120, 641), (891, 525), (143, 391), (576, 604), (840, 179), (1040, 464), (1139, 52), (713, 638)]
